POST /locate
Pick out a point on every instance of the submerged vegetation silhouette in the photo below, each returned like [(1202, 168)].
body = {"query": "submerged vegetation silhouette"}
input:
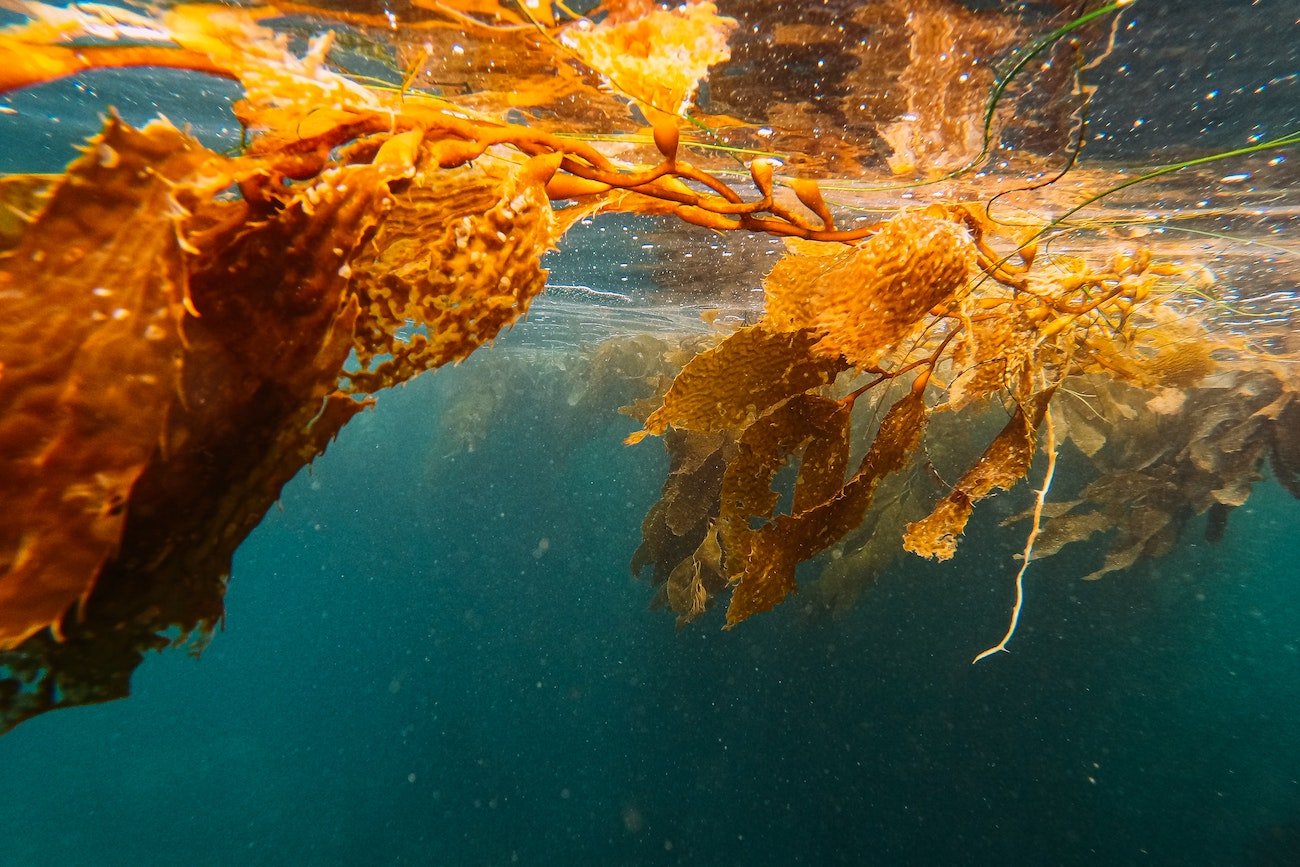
[(176, 323)]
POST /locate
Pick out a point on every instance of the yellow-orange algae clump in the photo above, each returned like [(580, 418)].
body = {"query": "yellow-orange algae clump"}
[(459, 253), (767, 573), (170, 358), (1004, 463)]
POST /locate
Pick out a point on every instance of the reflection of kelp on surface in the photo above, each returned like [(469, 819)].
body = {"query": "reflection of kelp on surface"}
[(901, 82), (174, 323)]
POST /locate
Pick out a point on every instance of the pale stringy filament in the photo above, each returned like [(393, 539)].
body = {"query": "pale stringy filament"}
[(1050, 445)]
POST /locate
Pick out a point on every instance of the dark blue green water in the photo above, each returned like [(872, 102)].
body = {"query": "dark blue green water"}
[(406, 677)]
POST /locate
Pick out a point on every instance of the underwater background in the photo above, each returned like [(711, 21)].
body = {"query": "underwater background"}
[(434, 652), (436, 655)]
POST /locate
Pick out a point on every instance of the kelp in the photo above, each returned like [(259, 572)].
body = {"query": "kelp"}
[(679, 533), (461, 256), (1004, 463), (656, 57), (726, 387), (1177, 455), (182, 330), (779, 546), (867, 299), (926, 295), (147, 426), (77, 434)]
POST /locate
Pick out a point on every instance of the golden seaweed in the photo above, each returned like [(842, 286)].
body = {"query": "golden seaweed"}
[(175, 419), (478, 276), (777, 548), (806, 424), (865, 300), (76, 432)]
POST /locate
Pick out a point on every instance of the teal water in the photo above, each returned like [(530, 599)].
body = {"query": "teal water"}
[(408, 675)]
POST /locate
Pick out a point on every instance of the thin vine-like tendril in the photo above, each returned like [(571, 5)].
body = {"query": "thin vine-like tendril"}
[(1057, 226), (1290, 139)]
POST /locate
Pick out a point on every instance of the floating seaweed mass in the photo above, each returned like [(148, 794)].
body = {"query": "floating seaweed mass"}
[(176, 324)]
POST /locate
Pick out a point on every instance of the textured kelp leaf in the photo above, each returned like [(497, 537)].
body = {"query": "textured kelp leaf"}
[(675, 525), (1004, 462), (1143, 511), (1144, 533), (619, 370), (790, 288), (247, 390), (993, 354), (685, 591), (495, 71), (1060, 531), (866, 552), (692, 494), (730, 385), (825, 459), (866, 299), (1077, 422), (1008, 335), (282, 91), (1285, 443), (696, 460), (774, 551), (696, 579), (88, 303), (1199, 452), (654, 532), (1181, 365), (976, 382), (22, 197), (460, 254)]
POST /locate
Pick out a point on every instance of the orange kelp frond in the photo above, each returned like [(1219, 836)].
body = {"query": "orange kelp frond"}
[(91, 291)]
